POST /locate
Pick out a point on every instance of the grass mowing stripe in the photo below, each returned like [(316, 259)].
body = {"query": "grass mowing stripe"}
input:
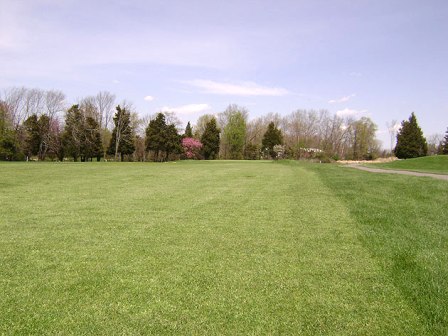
[(402, 221), (192, 247)]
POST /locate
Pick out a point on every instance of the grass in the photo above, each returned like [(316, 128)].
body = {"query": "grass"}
[(220, 248), (437, 164)]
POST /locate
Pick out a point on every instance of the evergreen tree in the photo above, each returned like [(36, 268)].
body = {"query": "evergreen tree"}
[(188, 131), (93, 146), (162, 138), (210, 140), (410, 140), (272, 137), (172, 141), (32, 140), (155, 135), (8, 145), (122, 141), (74, 132), (445, 143)]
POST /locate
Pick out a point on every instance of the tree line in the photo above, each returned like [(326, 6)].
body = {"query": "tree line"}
[(37, 124)]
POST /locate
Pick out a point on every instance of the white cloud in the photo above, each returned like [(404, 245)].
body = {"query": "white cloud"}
[(342, 100), (241, 89), (350, 112), (116, 81), (187, 109), (149, 98)]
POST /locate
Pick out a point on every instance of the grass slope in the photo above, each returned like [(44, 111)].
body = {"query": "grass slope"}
[(437, 164), (218, 248)]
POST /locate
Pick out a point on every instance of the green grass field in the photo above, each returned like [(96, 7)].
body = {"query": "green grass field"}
[(428, 164), (221, 248)]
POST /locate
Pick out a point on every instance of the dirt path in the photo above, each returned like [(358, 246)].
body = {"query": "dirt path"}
[(403, 172)]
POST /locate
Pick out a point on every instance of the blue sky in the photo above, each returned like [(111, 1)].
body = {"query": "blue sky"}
[(382, 59)]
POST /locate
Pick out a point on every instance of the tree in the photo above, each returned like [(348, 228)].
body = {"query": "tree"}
[(201, 124), (445, 143), (234, 135), (122, 141), (172, 141), (8, 145), (210, 140), (155, 135), (273, 136), (410, 140), (74, 131), (251, 152), (92, 146), (32, 141), (364, 143), (188, 131), (162, 137), (192, 148)]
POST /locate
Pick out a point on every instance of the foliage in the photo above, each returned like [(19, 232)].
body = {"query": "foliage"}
[(162, 138), (155, 135), (410, 140), (251, 152), (444, 145), (122, 141), (364, 145), (273, 136), (188, 131), (210, 140), (8, 145), (234, 134), (93, 146), (74, 132), (81, 137), (192, 148), (279, 152)]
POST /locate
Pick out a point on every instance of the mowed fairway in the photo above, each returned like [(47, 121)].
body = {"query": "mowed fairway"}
[(221, 248)]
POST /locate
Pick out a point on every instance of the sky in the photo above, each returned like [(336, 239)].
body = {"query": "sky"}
[(380, 59)]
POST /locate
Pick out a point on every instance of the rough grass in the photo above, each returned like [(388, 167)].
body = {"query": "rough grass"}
[(437, 164), (220, 248)]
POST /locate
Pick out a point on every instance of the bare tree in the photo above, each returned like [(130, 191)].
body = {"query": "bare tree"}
[(393, 128), (104, 102)]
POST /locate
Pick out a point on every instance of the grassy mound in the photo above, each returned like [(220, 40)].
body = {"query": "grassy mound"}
[(429, 164)]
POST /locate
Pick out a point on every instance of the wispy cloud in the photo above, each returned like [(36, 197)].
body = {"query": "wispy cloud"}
[(350, 112), (116, 81), (187, 109), (342, 99), (239, 89), (149, 98)]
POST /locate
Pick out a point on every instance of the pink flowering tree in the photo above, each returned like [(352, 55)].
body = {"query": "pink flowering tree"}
[(192, 148)]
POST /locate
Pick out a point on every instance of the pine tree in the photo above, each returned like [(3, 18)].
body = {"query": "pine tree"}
[(93, 145), (445, 143), (272, 137), (32, 139), (155, 135), (172, 141), (210, 140), (122, 141), (410, 140), (74, 131), (188, 131)]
